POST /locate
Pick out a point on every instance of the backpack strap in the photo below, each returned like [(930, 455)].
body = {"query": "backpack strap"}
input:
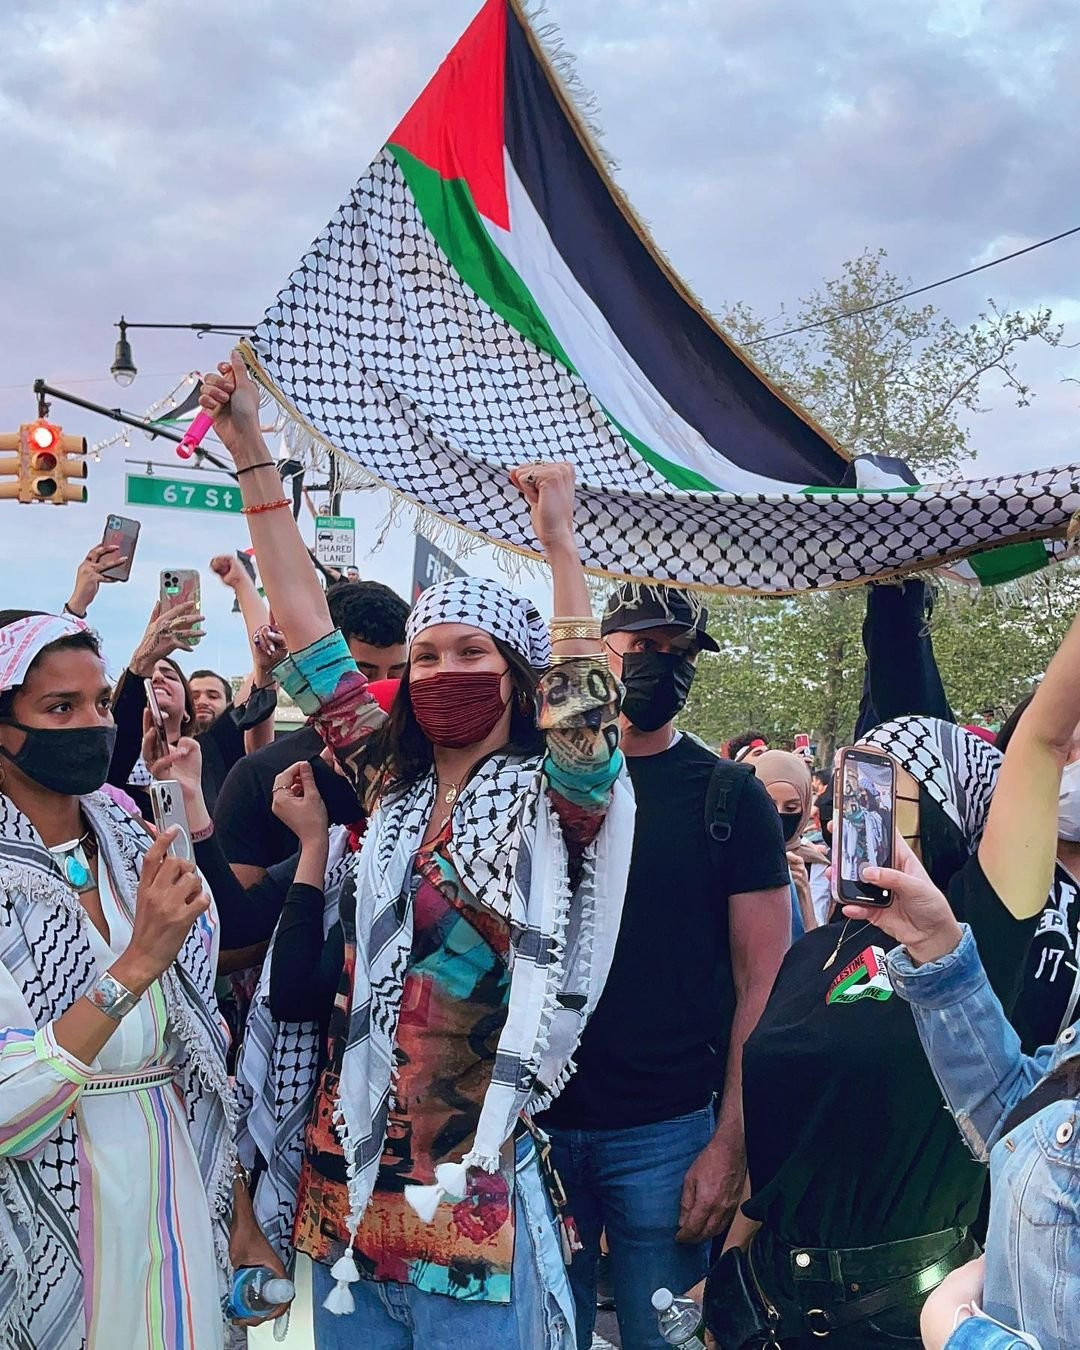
[(722, 798)]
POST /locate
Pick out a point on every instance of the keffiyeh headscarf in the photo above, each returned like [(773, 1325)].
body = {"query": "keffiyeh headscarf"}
[(486, 605), (24, 640), (955, 769)]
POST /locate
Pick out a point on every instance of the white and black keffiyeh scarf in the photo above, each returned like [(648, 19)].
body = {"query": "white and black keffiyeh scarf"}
[(489, 606), (277, 1076), (45, 950), (957, 770), (509, 853)]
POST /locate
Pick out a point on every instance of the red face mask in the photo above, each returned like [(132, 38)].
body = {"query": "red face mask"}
[(456, 710)]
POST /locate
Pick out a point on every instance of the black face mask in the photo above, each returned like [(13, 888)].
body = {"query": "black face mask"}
[(72, 761), (657, 687), (789, 824)]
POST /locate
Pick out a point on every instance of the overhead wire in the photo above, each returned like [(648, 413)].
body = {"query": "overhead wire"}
[(906, 295)]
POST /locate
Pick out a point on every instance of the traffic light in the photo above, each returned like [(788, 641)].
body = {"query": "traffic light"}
[(53, 460), (46, 463), (10, 464)]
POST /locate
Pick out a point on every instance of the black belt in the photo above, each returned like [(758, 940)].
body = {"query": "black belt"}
[(828, 1280)]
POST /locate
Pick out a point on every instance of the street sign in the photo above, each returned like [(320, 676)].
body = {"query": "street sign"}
[(180, 494), (335, 540), (430, 566)]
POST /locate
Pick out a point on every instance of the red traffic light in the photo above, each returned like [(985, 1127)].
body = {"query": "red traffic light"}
[(43, 436)]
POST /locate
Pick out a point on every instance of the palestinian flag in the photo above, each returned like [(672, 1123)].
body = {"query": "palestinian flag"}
[(486, 296), (182, 414)]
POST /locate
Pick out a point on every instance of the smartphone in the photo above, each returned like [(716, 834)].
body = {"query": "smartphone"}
[(802, 744), (121, 533), (156, 718), (864, 814), (178, 586), (167, 804)]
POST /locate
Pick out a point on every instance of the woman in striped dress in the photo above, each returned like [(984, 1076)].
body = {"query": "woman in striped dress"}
[(121, 1212)]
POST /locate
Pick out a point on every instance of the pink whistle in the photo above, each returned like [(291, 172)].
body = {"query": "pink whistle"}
[(200, 425)]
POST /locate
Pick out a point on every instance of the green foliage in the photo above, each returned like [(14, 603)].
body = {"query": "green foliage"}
[(797, 665), (900, 380), (903, 380)]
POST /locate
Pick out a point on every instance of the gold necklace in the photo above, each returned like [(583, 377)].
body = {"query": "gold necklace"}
[(843, 939), (451, 794)]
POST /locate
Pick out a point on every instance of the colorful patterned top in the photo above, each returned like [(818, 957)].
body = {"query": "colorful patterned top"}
[(453, 1009)]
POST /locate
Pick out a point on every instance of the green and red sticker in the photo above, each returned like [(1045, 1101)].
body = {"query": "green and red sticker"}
[(865, 977)]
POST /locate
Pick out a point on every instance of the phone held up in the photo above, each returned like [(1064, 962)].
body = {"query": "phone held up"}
[(157, 720), (167, 803), (178, 586), (864, 814), (121, 533)]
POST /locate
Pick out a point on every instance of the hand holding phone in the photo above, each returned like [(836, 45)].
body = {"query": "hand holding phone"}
[(157, 720), (864, 815), (167, 803), (181, 586), (123, 534)]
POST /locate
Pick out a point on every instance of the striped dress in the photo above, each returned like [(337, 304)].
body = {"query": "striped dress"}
[(144, 1231)]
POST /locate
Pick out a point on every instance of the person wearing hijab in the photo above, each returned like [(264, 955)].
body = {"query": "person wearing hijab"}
[(787, 779), (117, 1162), (861, 1191), (484, 907)]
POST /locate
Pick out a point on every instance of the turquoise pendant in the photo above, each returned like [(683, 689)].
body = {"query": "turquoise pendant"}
[(76, 871)]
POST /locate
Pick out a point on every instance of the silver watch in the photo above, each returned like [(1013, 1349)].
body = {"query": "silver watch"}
[(111, 997)]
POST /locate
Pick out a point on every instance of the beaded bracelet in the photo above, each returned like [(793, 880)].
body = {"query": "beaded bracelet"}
[(265, 506)]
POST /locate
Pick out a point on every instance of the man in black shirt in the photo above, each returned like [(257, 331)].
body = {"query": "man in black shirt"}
[(372, 618), (704, 929)]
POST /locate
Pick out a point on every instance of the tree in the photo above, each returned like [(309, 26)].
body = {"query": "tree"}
[(902, 380)]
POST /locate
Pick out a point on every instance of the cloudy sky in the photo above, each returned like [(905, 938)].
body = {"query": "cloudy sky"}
[(172, 161)]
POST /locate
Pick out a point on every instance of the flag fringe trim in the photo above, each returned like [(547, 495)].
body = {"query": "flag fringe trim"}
[(515, 561)]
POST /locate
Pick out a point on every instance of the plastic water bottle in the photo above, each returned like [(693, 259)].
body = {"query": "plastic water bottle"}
[(257, 1290), (679, 1320)]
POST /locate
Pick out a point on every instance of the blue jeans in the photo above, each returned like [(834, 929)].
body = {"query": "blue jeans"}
[(629, 1183), (539, 1315)]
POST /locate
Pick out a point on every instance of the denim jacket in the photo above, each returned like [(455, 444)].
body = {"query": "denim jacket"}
[(979, 1333), (1033, 1248)]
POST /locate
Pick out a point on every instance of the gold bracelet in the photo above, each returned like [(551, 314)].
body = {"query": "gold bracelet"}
[(600, 658), (575, 630)]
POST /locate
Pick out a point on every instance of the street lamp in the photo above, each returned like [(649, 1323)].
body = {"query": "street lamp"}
[(123, 367)]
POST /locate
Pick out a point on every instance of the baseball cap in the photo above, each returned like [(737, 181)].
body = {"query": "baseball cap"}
[(633, 607)]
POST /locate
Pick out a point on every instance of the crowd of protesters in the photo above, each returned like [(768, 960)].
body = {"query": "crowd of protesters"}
[(489, 986)]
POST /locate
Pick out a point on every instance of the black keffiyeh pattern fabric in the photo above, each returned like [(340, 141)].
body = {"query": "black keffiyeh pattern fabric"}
[(277, 1076), (956, 769), (486, 605), (382, 352), (45, 951)]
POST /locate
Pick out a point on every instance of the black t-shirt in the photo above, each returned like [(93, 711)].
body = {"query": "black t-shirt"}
[(1052, 969), (245, 823), (222, 747), (650, 1049), (848, 1140)]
